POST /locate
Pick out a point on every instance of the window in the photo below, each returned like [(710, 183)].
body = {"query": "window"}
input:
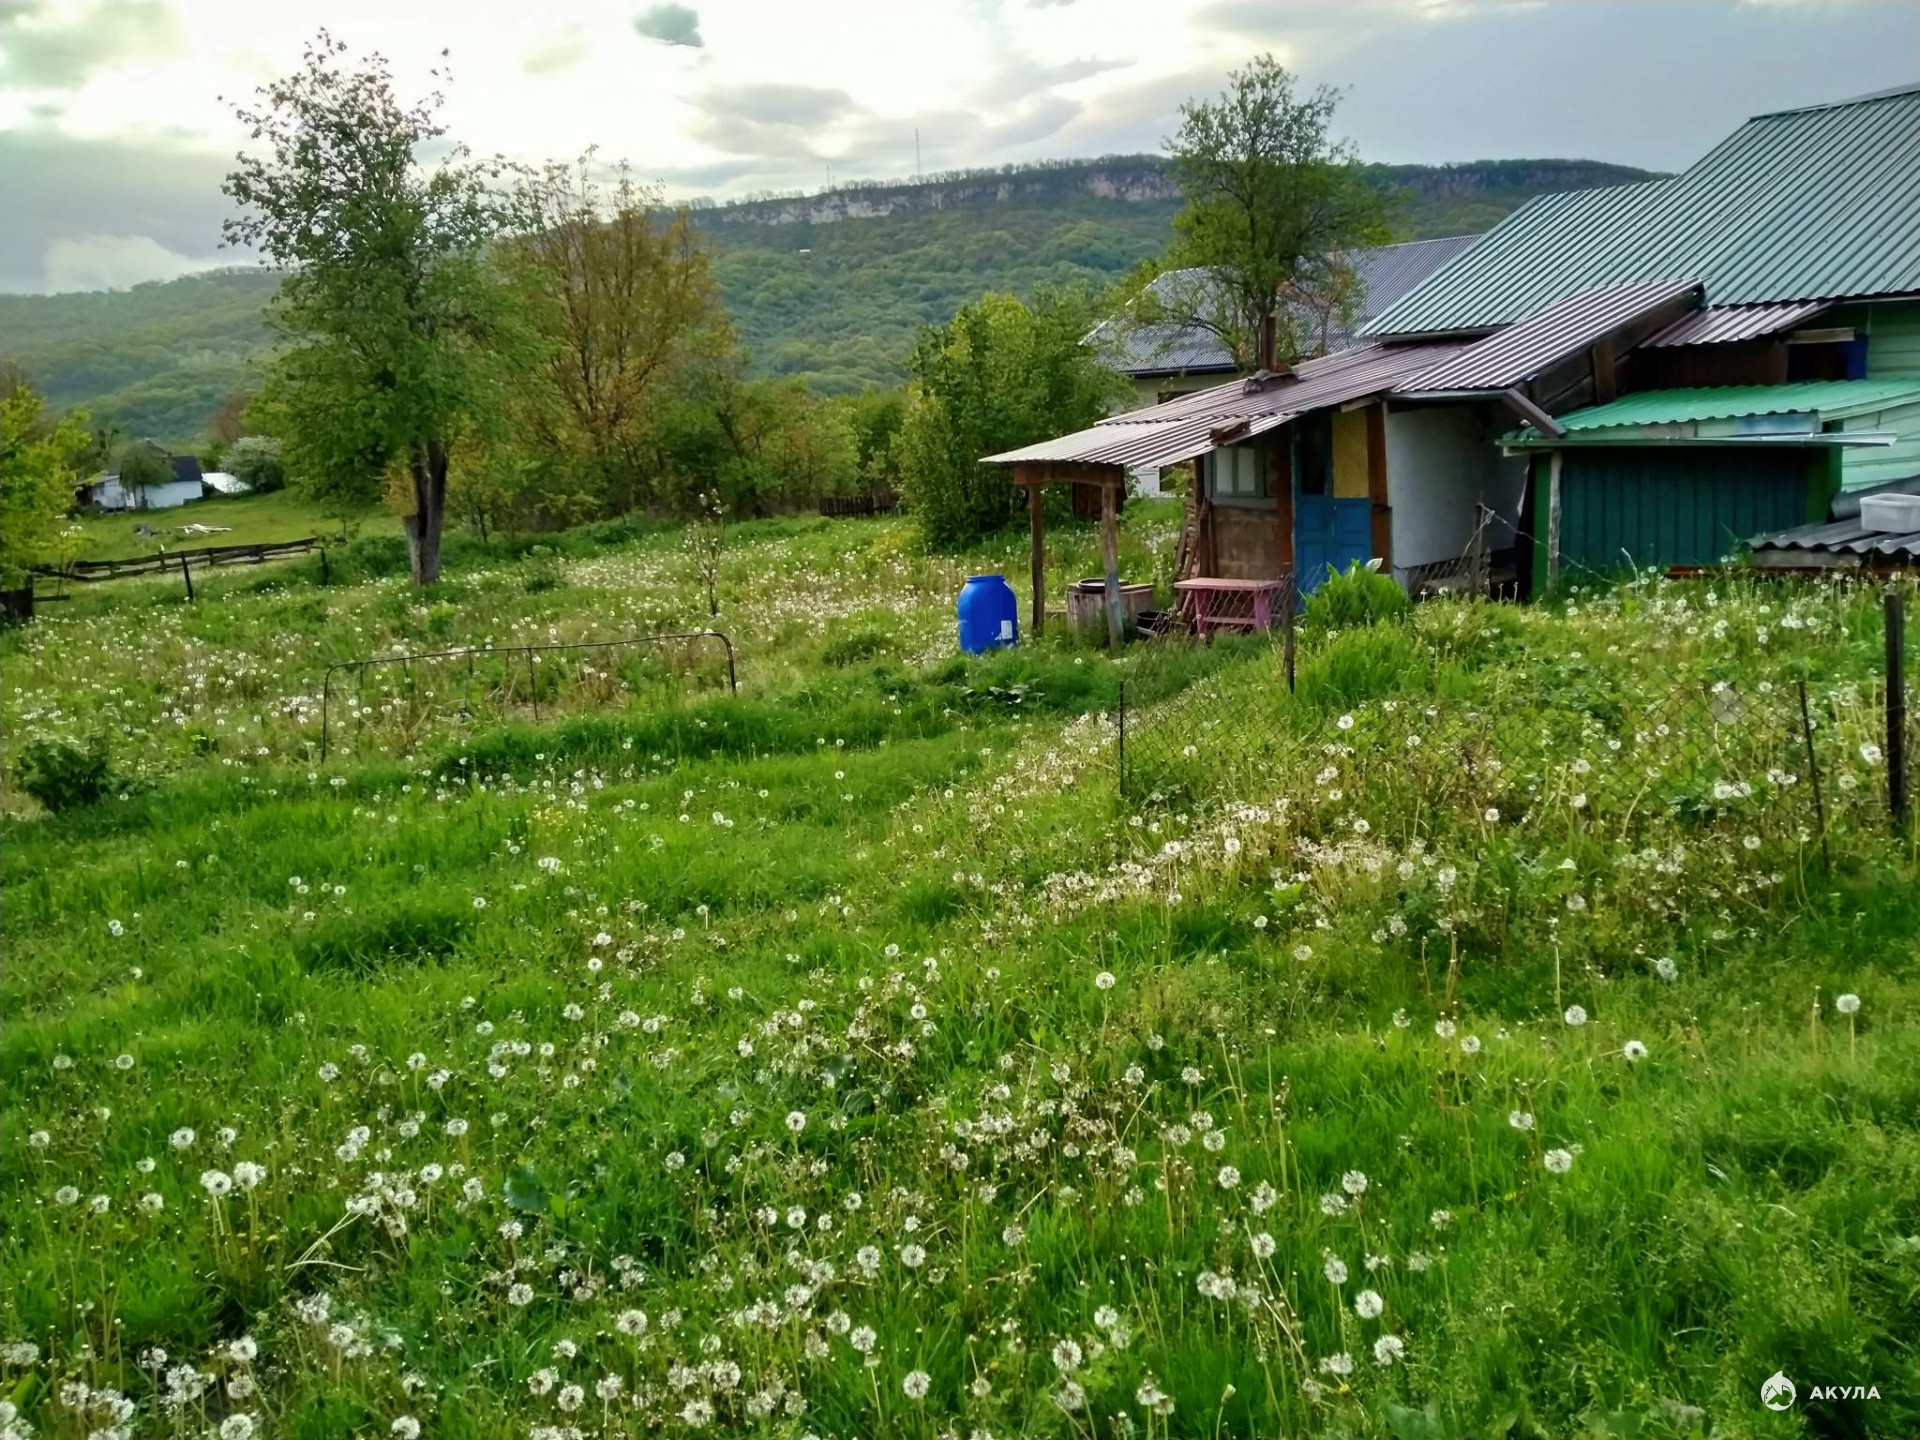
[(1239, 473)]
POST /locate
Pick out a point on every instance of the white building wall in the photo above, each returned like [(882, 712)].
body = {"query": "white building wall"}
[(1442, 462), (168, 496)]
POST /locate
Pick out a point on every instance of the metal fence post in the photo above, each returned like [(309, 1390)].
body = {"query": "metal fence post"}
[(1893, 606), (1290, 602), (1120, 732), (186, 573)]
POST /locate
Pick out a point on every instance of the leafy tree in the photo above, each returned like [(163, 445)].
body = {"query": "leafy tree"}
[(389, 306), (37, 480), (257, 460), (622, 305), (1273, 202), (875, 416), (759, 446), (140, 464), (999, 375)]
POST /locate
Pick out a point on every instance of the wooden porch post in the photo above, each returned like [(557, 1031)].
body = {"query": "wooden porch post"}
[(1110, 550), (1553, 519), (1037, 528), (1382, 510)]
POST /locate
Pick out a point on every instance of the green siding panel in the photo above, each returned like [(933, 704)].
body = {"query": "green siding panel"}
[(1893, 340), (1675, 507), (1864, 468)]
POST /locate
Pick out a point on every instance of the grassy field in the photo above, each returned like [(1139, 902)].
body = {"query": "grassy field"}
[(1446, 1050), (239, 520)]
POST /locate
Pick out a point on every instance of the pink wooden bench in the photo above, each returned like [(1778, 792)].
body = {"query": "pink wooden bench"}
[(1213, 610)]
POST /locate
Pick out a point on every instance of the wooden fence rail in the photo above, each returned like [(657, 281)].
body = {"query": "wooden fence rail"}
[(88, 572)]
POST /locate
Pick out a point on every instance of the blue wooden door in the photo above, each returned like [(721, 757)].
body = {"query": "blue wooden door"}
[(1329, 534)]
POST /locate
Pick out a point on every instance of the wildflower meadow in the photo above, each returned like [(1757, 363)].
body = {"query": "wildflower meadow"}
[(1440, 1049)]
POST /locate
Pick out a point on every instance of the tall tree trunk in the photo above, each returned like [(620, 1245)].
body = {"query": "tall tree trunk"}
[(429, 467)]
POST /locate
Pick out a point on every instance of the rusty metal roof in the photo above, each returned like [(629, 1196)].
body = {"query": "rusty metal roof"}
[(1518, 353), (1727, 324), (1186, 426), (1814, 204)]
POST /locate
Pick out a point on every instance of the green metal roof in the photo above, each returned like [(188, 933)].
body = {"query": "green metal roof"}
[(1816, 204), (1827, 400)]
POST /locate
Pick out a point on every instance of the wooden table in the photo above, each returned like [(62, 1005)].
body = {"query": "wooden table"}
[(1210, 614)]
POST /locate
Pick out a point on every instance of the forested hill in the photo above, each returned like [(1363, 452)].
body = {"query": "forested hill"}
[(827, 287)]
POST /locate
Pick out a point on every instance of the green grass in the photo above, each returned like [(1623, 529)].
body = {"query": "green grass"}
[(854, 1032), (243, 520)]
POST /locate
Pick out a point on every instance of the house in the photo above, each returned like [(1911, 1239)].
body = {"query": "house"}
[(187, 484), (1627, 376), (1166, 361), (1783, 386)]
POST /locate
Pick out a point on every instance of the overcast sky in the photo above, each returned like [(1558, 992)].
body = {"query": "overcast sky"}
[(114, 136)]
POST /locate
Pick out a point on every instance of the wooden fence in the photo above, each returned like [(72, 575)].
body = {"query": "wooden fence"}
[(88, 572)]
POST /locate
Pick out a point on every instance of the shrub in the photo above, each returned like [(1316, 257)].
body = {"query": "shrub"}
[(1361, 665), (62, 775), (1358, 597), (255, 459)]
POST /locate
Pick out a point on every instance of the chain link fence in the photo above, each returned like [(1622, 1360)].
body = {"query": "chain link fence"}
[(1766, 760)]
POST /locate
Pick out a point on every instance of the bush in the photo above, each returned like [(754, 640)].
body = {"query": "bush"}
[(255, 459), (64, 776), (1359, 597), (1361, 665)]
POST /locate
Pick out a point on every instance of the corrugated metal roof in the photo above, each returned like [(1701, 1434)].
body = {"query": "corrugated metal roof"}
[(1567, 327), (1838, 536), (1183, 427), (1829, 399), (1727, 324), (1383, 274), (1816, 204)]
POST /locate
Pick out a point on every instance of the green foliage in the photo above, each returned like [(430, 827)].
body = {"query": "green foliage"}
[(256, 459), (1359, 596), (1000, 374), (1272, 202), (63, 775), (141, 465), (400, 329), (37, 480)]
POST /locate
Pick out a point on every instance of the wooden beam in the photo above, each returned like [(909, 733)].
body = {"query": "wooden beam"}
[(1553, 520), (1068, 472), (1382, 512), (1037, 530), (1518, 401), (1606, 385), (1110, 549)]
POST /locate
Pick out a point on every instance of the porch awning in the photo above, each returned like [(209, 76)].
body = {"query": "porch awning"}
[(1730, 415)]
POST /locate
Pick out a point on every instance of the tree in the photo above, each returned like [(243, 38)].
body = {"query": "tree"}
[(622, 304), (392, 313), (256, 460), (999, 375), (140, 464), (37, 480), (1273, 203)]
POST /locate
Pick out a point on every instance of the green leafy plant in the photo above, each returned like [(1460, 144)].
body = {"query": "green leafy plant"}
[(1360, 596), (64, 776)]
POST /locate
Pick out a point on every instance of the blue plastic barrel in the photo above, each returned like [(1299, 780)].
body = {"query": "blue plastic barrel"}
[(989, 615)]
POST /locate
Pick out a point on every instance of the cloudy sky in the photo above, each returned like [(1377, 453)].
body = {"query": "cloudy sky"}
[(114, 135)]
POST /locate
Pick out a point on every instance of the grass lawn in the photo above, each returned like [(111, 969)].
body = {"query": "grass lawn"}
[(243, 519), (1411, 1057)]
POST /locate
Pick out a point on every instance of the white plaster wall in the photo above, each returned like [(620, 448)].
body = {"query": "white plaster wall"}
[(1442, 461)]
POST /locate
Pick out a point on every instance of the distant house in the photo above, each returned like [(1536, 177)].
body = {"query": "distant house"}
[(1689, 362), (187, 485)]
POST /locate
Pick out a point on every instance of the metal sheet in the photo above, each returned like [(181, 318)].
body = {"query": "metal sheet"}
[(1830, 400), (1565, 328), (1183, 427), (1815, 204), (1730, 324)]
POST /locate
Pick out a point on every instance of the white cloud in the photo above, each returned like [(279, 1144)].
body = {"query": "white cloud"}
[(114, 262)]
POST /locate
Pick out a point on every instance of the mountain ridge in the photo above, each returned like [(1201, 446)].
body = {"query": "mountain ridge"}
[(828, 288)]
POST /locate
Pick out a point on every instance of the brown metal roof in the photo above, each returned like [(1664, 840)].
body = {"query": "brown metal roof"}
[(1726, 324), (1518, 353), (1184, 427)]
